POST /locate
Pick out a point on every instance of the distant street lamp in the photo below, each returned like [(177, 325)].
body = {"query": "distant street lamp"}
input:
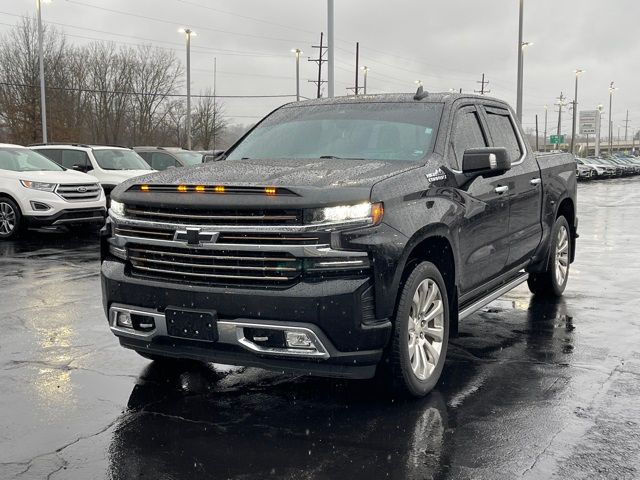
[(43, 102), (298, 52), (418, 82), (612, 89), (546, 115), (598, 130), (578, 72), (188, 33), (365, 69)]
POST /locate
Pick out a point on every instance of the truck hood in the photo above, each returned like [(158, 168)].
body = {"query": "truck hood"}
[(317, 181), (283, 173)]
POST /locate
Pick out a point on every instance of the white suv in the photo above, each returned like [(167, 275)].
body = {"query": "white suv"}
[(34, 191), (110, 165)]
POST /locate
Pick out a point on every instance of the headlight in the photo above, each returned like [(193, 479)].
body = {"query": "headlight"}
[(117, 208), (45, 187), (371, 212)]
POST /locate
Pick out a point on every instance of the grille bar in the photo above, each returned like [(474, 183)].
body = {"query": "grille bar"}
[(215, 276), (214, 266), (214, 257), (235, 217), (73, 192)]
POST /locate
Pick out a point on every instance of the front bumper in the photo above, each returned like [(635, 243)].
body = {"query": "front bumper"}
[(74, 216), (331, 310)]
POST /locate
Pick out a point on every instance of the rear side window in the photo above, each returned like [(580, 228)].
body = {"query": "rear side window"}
[(503, 132), (71, 158), (467, 134), (162, 161), (51, 154)]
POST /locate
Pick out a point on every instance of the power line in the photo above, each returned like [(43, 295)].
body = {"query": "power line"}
[(482, 83), (116, 92)]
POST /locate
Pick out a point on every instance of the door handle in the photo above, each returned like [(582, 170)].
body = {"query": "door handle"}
[(502, 189), (535, 181)]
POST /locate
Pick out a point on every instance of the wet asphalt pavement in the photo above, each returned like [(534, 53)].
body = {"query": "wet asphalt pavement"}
[(531, 389)]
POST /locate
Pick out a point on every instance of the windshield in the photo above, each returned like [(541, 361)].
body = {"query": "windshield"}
[(25, 160), (118, 159), (371, 131), (189, 158)]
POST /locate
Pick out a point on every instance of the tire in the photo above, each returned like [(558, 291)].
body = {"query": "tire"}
[(553, 280), (417, 373), (10, 219)]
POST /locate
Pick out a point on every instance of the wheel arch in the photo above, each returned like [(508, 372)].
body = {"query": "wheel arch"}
[(433, 244), (567, 209)]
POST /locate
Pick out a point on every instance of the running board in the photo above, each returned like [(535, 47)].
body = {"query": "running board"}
[(478, 304)]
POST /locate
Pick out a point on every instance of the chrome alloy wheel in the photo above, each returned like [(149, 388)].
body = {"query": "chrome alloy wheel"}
[(562, 255), (426, 328), (7, 219)]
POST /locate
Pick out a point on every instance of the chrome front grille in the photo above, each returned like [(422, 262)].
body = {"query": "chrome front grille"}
[(229, 238), (213, 267), (79, 192), (216, 217)]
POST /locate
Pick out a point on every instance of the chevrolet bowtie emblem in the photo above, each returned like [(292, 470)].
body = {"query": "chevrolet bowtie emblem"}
[(195, 236)]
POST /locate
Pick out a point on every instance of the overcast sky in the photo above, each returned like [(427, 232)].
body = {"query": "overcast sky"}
[(445, 43)]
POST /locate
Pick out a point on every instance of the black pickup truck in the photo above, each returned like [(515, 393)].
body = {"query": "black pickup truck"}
[(343, 237)]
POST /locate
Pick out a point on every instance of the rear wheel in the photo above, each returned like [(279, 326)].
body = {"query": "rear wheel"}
[(554, 279), (10, 219), (421, 332)]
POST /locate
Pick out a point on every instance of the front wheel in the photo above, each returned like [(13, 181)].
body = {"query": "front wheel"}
[(553, 280), (10, 219), (421, 332)]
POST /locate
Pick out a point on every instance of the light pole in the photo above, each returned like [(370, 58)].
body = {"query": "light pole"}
[(330, 50), (598, 130), (612, 89), (188, 33), (520, 62), (523, 45), (298, 52), (365, 69), (578, 72), (43, 101)]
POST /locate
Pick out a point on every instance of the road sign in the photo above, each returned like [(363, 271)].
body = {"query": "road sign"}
[(589, 122), (555, 140)]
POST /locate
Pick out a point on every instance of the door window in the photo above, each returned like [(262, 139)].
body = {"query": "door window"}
[(71, 158), (503, 132), (467, 134)]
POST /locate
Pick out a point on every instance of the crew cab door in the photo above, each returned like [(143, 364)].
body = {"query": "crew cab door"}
[(525, 187), (483, 230)]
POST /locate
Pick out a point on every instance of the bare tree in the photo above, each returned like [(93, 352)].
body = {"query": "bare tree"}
[(209, 122)]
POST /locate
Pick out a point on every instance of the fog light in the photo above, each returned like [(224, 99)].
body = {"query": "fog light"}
[(123, 319), (298, 340)]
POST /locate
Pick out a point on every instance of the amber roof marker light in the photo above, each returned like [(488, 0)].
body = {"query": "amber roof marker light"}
[(182, 188), (144, 188)]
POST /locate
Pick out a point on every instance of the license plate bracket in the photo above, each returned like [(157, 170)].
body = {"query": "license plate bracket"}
[(192, 324)]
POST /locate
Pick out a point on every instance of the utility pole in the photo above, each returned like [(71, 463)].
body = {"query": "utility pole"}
[(319, 62), (546, 113), (626, 128), (598, 130), (356, 89), (578, 72), (357, 68), (43, 103), (560, 105), (331, 50), (482, 83), (537, 135), (520, 62)]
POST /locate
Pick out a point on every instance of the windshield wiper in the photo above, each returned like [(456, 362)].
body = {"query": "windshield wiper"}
[(334, 157)]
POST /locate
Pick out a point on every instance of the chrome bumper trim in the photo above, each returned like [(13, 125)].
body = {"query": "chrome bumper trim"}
[(229, 332)]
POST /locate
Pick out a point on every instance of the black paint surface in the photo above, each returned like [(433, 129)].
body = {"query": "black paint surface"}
[(531, 389)]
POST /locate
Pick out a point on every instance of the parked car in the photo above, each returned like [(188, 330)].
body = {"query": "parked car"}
[(340, 237), (161, 158), (587, 171), (34, 191), (608, 169), (110, 165)]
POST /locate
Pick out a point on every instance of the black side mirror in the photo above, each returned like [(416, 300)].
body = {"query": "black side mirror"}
[(485, 162)]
